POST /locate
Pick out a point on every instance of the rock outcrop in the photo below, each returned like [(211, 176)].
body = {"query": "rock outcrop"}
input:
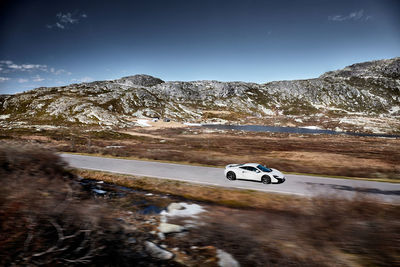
[(371, 88)]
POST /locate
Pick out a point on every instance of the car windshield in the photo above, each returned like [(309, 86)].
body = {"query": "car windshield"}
[(264, 169)]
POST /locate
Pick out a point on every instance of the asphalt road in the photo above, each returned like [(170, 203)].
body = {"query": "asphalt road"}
[(295, 184)]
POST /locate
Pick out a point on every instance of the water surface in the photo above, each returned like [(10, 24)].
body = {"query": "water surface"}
[(280, 129)]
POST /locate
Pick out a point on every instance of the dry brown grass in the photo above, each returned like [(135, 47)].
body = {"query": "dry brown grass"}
[(342, 155), (276, 230), (326, 155), (46, 219), (237, 198), (330, 232)]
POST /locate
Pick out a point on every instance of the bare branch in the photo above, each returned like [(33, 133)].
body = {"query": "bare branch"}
[(59, 229), (84, 241), (64, 204)]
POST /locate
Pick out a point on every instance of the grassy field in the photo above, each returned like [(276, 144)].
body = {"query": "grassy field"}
[(47, 217), (339, 155)]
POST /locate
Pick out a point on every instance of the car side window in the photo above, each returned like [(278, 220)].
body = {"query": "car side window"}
[(252, 169), (244, 168)]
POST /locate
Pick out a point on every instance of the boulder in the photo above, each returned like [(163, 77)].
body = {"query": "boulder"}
[(174, 206), (158, 252), (226, 260), (167, 228)]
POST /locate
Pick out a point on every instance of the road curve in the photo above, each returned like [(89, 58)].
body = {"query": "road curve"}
[(301, 185)]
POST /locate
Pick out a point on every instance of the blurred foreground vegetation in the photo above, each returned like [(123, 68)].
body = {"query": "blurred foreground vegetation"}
[(46, 218)]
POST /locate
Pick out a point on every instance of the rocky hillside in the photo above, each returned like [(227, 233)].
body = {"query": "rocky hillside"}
[(369, 88)]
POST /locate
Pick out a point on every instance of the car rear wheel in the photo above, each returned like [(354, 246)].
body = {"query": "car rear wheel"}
[(231, 176), (266, 179)]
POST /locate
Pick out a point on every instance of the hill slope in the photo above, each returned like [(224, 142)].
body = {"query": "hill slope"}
[(365, 89)]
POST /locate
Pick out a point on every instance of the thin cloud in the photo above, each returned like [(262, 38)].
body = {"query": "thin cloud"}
[(32, 73), (37, 78), (21, 80), (58, 25), (64, 20), (7, 66), (58, 82), (27, 67), (85, 79), (354, 16), (60, 71)]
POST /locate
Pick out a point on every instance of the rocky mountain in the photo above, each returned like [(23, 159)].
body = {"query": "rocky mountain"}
[(369, 88)]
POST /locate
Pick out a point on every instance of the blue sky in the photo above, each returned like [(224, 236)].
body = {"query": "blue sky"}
[(53, 43)]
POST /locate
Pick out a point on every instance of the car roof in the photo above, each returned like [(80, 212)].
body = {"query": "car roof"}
[(251, 164)]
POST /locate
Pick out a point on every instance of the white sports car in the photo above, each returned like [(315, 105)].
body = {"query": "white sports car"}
[(253, 172)]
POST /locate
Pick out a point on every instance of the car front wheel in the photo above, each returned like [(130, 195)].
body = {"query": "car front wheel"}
[(266, 179), (231, 176)]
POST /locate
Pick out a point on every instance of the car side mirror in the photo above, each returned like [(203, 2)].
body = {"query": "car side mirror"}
[(258, 171)]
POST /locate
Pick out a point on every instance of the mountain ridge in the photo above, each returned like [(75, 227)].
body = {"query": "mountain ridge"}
[(367, 88)]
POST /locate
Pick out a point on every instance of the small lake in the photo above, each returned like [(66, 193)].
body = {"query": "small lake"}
[(297, 130)]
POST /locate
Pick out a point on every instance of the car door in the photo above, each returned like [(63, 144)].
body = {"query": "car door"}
[(254, 173), (244, 173)]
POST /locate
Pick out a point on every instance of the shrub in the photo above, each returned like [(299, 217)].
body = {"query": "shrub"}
[(46, 219)]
